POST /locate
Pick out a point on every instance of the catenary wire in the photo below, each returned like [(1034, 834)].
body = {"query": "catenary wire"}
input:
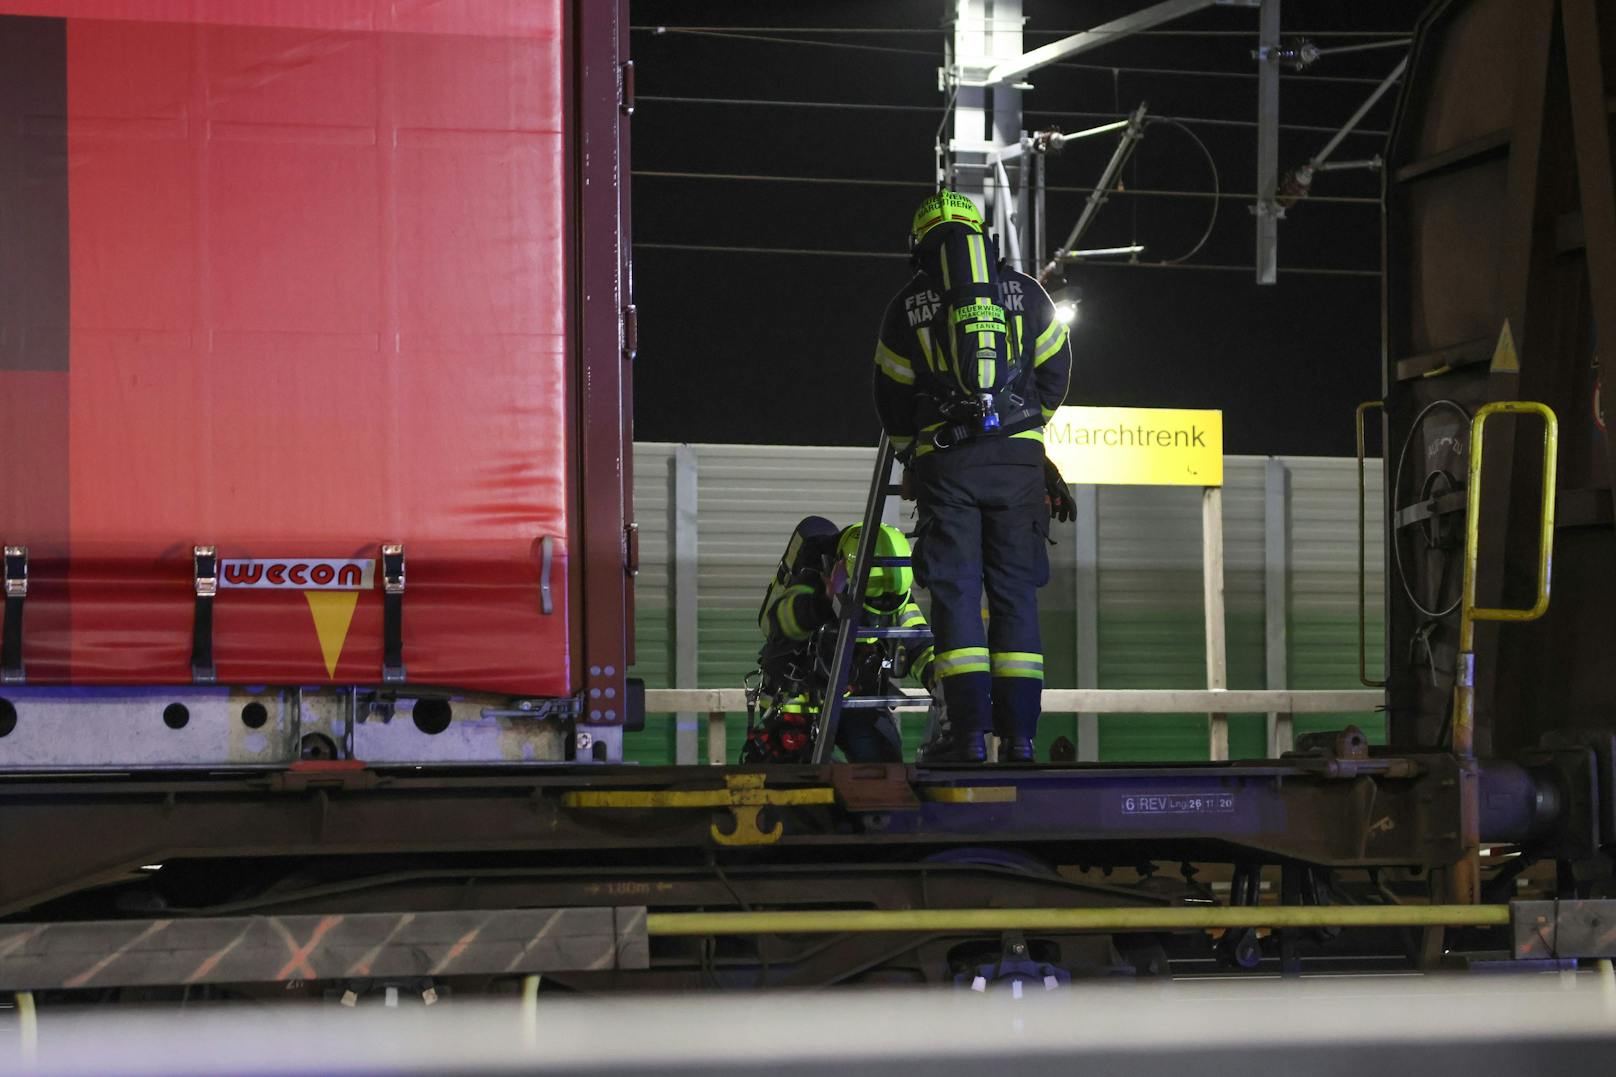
[(1068, 64), (917, 184), (879, 107), (1128, 69), (663, 29), (1207, 120), (1217, 188), (811, 251), (930, 54)]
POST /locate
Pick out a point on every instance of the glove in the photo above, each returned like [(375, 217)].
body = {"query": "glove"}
[(1057, 495), (906, 485)]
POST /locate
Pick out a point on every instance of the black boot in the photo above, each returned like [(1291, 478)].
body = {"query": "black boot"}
[(1015, 717), (953, 746), (1016, 750)]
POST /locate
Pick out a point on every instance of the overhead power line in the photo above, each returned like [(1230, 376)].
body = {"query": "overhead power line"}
[(867, 106), (878, 107), (933, 55), (1208, 120), (928, 184), (714, 248), (663, 29), (1195, 73), (717, 249), (739, 177), (930, 54)]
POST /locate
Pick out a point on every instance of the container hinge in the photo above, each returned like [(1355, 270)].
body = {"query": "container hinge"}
[(625, 100), (205, 580), (16, 590), (631, 549), (392, 613), (546, 563), (631, 333)]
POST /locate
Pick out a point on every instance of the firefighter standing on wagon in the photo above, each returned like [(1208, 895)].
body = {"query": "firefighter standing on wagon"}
[(970, 363)]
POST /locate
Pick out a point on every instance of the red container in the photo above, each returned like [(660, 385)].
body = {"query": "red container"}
[(295, 279)]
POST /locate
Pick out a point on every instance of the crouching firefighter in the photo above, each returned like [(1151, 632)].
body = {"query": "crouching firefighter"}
[(799, 628), (970, 363)]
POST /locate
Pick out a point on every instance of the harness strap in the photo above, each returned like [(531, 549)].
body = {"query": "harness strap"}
[(16, 591), (392, 613), (947, 437), (205, 582)]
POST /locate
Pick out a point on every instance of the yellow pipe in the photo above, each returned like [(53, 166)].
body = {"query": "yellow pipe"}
[(1177, 918), (27, 1025), (530, 1010)]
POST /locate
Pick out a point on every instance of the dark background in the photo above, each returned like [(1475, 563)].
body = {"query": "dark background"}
[(772, 343)]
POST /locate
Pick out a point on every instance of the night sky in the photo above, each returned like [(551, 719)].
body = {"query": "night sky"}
[(775, 347)]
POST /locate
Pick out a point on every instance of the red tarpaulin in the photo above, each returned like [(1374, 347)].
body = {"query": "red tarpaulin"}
[(312, 299)]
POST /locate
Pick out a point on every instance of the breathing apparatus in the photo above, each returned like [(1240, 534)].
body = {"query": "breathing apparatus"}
[(974, 350)]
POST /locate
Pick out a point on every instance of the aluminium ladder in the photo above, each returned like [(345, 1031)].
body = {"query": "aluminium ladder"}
[(849, 607)]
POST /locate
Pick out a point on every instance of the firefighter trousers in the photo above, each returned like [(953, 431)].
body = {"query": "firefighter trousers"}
[(984, 526)]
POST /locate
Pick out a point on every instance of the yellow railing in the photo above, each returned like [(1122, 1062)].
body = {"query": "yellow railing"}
[(1464, 693), (1171, 918)]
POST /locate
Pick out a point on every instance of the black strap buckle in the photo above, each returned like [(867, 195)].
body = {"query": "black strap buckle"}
[(16, 590), (393, 613), (205, 579)]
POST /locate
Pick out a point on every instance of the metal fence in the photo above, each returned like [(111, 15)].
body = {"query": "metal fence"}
[(1123, 608)]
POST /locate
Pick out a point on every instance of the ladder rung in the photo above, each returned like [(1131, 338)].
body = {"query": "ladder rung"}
[(894, 490), (894, 633), (866, 702), (889, 562)]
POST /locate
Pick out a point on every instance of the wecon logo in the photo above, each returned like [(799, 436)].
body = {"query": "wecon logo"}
[(299, 574)]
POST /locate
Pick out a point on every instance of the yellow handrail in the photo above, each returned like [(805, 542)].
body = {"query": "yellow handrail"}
[(1168, 918), (1464, 693), (1363, 586)]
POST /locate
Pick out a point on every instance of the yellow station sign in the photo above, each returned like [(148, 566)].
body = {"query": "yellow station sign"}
[(1137, 446)]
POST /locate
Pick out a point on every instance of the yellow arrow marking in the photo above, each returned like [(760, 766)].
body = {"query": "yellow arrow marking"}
[(333, 613), (1505, 359)]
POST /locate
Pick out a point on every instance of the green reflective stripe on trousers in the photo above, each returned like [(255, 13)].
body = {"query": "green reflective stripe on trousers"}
[(1018, 664), (1035, 434), (962, 660)]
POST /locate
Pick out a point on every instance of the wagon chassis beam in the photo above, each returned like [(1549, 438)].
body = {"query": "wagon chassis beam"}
[(59, 836)]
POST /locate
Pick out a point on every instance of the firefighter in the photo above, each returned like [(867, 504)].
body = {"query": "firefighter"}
[(799, 625), (970, 363)]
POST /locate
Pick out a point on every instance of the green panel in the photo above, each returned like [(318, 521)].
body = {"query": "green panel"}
[(653, 661), (1324, 655), (1154, 648), (1058, 627), (730, 641)]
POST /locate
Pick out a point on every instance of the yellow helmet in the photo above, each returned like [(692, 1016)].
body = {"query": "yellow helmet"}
[(887, 588), (941, 208)]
